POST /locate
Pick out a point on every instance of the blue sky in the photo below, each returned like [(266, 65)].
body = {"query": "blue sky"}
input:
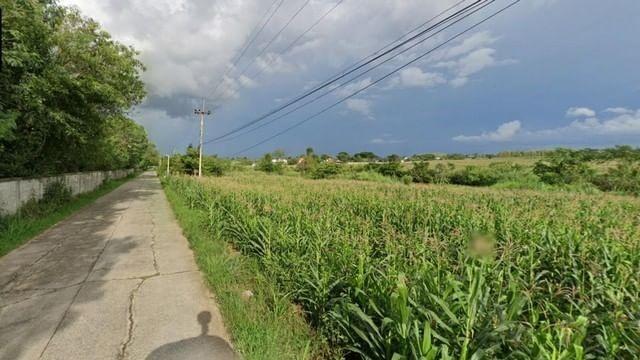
[(545, 73)]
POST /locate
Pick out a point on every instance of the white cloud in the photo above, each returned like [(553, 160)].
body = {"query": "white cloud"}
[(619, 110), (386, 139), (361, 106), (416, 77), (580, 112), (620, 124), (478, 40), (459, 81), (247, 82), (504, 132), (353, 87), (472, 63)]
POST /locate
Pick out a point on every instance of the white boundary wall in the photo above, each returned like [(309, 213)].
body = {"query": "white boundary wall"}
[(16, 191)]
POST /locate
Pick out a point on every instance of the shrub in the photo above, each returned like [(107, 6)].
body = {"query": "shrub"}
[(391, 169), (562, 167), (421, 173), (325, 171), (55, 195), (267, 165), (215, 166), (625, 177), (473, 176), (407, 179)]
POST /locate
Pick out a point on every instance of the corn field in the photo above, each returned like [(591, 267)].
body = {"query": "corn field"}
[(388, 271)]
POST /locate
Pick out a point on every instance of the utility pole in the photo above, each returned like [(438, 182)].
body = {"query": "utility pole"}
[(168, 161), (202, 112)]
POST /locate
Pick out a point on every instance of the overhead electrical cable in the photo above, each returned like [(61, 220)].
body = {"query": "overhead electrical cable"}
[(266, 19), (301, 36), (333, 89), (274, 38), (378, 80), (346, 73)]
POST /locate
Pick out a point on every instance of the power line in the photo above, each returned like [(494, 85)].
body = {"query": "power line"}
[(407, 34), (293, 43), (346, 73), (301, 36), (273, 39), (482, 6), (378, 80), (265, 20)]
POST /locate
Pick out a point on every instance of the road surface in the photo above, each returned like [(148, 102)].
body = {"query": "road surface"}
[(116, 280)]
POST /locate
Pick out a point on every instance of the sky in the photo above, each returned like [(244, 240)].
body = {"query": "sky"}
[(544, 73)]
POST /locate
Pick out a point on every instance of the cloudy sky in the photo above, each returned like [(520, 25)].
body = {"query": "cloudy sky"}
[(544, 73)]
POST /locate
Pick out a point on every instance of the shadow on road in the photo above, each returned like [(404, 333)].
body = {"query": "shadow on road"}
[(200, 347)]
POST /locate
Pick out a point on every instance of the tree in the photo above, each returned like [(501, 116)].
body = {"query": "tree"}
[(191, 160), (279, 154), (63, 82), (394, 158), (214, 166), (365, 156), (563, 166), (267, 165), (343, 156)]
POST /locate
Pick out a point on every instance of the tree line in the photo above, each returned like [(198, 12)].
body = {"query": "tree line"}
[(65, 89)]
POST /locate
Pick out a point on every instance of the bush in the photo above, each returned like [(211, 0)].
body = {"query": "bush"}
[(562, 167), (407, 179), (214, 166), (325, 171), (55, 195), (267, 165), (625, 177), (421, 173), (391, 169), (473, 176)]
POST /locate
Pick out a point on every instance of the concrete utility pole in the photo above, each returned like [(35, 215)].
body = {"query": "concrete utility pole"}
[(168, 161), (202, 112)]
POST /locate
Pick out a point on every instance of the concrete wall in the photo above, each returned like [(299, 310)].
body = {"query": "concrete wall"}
[(15, 192)]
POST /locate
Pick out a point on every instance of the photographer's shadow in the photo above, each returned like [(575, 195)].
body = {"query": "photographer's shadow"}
[(201, 347)]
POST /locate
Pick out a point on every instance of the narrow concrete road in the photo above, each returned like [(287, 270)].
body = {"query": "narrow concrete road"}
[(115, 281)]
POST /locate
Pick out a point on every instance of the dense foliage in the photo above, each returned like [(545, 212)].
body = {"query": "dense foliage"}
[(395, 272), (64, 89), (188, 163)]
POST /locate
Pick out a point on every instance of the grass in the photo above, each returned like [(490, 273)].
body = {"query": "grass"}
[(17, 229), (388, 271), (264, 326)]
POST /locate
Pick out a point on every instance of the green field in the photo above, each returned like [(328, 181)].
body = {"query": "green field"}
[(386, 271)]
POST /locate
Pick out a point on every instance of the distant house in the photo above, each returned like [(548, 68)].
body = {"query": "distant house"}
[(279, 161)]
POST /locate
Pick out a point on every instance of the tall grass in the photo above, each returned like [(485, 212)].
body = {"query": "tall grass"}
[(385, 271)]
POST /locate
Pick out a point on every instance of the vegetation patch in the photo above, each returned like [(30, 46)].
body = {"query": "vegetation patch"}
[(386, 271), (258, 313), (35, 217)]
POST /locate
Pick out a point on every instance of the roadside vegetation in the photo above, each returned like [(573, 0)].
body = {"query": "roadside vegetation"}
[(262, 320), (387, 271), (35, 217), (65, 89), (614, 170)]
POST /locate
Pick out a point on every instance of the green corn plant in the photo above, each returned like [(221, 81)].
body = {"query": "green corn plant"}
[(384, 271)]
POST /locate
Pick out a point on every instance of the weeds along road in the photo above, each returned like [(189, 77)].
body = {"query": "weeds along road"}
[(116, 280)]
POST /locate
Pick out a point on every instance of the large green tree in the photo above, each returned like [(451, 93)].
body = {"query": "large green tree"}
[(65, 88)]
